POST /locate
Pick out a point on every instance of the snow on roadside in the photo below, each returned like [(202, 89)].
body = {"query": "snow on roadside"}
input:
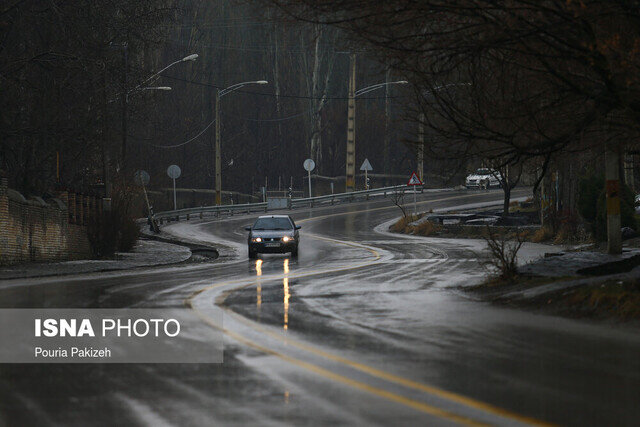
[(197, 233), (567, 264), (146, 253), (529, 252)]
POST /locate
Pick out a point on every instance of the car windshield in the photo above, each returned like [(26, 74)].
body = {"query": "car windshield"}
[(483, 172), (272, 224)]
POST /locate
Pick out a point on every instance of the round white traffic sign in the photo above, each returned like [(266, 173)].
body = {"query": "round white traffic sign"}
[(141, 178), (309, 165), (174, 171)]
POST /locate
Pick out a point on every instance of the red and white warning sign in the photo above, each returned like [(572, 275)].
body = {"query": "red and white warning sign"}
[(414, 180)]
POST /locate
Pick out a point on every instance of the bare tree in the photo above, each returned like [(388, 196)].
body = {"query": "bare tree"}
[(540, 74), (503, 254), (321, 67), (508, 176), (397, 197)]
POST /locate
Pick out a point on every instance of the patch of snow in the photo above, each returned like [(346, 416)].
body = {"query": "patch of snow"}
[(146, 253), (569, 263)]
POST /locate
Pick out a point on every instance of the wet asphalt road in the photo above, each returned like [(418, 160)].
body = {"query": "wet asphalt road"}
[(365, 327)]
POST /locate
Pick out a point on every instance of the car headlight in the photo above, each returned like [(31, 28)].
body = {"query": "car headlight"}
[(257, 239), (286, 238)]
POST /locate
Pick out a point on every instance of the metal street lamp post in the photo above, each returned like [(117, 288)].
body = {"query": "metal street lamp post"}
[(139, 88)]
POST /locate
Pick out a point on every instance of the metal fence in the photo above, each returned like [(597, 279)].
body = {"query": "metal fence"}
[(329, 199)]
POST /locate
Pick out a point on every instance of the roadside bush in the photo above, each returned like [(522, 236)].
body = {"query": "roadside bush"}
[(523, 235), (563, 235), (589, 190), (102, 239), (542, 234), (128, 234), (426, 228), (400, 225), (503, 254), (117, 229)]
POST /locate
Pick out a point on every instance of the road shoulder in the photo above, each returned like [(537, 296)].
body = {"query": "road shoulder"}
[(146, 253)]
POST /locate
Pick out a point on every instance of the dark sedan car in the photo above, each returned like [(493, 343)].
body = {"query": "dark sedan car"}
[(273, 234)]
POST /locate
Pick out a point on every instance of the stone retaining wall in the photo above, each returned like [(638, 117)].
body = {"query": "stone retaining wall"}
[(35, 230)]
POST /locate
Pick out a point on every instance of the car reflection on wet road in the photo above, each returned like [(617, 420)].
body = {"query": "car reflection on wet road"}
[(365, 327)]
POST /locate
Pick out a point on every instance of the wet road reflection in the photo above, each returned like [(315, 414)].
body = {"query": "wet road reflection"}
[(401, 315), (287, 295), (259, 284), (406, 315)]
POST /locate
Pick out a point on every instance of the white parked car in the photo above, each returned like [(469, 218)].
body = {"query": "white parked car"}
[(483, 178)]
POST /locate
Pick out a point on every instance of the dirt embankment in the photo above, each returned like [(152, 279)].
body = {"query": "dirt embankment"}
[(575, 284), (617, 299)]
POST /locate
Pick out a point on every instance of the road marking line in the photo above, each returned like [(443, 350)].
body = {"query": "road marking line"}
[(420, 406), (454, 397)]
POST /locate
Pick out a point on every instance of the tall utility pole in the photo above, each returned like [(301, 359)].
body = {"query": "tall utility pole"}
[(105, 129), (421, 147), (125, 57), (612, 174), (218, 152), (351, 127), (387, 127)]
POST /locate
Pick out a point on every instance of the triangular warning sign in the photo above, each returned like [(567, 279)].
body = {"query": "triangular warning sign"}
[(414, 180), (366, 165)]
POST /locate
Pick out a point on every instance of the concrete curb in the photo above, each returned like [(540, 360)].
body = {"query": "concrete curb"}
[(209, 251), (99, 270)]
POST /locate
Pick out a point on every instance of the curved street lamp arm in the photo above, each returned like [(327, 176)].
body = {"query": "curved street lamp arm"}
[(191, 57), (156, 74), (378, 86), (237, 86)]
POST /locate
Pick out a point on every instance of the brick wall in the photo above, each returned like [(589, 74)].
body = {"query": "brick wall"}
[(35, 230)]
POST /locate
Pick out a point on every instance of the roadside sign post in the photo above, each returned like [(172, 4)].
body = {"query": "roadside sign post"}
[(142, 178), (414, 181), (366, 167), (174, 173), (309, 165)]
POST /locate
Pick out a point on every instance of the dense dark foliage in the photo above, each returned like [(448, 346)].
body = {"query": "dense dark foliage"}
[(117, 228), (64, 66), (505, 80), (589, 190), (61, 69)]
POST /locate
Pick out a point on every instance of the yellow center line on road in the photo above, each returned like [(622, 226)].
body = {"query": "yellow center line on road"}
[(454, 397), (420, 406), (451, 396), (246, 283)]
